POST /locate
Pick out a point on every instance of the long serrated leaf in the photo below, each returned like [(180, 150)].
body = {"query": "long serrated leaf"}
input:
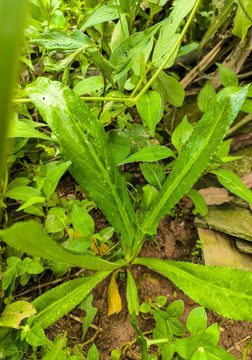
[(197, 151), (57, 302), (84, 142), (233, 183), (226, 291), (149, 154), (30, 237), (103, 14)]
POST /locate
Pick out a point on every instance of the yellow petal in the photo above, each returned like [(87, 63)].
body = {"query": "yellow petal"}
[(114, 299)]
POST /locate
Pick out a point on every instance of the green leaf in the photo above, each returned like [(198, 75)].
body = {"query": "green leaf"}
[(93, 353), (200, 206), (206, 94), (154, 174), (247, 106), (120, 143), (21, 129), (32, 201), (211, 335), (55, 303), (132, 294), (14, 313), (167, 32), (149, 109), (132, 46), (181, 134), (170, 89), (176, 327), (82, 221), (53, 173), (36, 336), (149, 195), (103, 14), (233, 183), (91, 311), (87, 86), (196, 153), (30, 237), (175, 309), (56, 220), (196, 321), (218, 353), (241, 21), (93, 166), (167, 352), (223, 290), (149, 154), (55, 352), (23, 193), (18, 181), (227, 76)]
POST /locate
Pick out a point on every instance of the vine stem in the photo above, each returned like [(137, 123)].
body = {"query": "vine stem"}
[(135, 99)]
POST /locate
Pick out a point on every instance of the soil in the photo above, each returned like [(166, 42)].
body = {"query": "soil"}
[(176, 238)]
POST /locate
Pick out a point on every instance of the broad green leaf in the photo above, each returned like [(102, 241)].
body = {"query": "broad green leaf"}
[(206, 94), (86, 86), (149, 109), (93, 165), (22, 193), (218, 353), (198, 201), (223, 290), (36, 336), (21, 129), (82, 221), (12, 17), (168, 30), (227, 76), (247, 106), (132, 294), (150, 154), (14, 313), (196, 321), (93, 353), (154, 173), (211, 335), (55, 303), (103, 14), (181, 134), (30, 237), (167, 352), (170, 89), (120, 143), (233, 183), (59, 40), (132, 46), (185, 347), (53, 173), (7, 338), (196, 153), (56, 220), (241, 21), (175, 309), (18, 181)]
